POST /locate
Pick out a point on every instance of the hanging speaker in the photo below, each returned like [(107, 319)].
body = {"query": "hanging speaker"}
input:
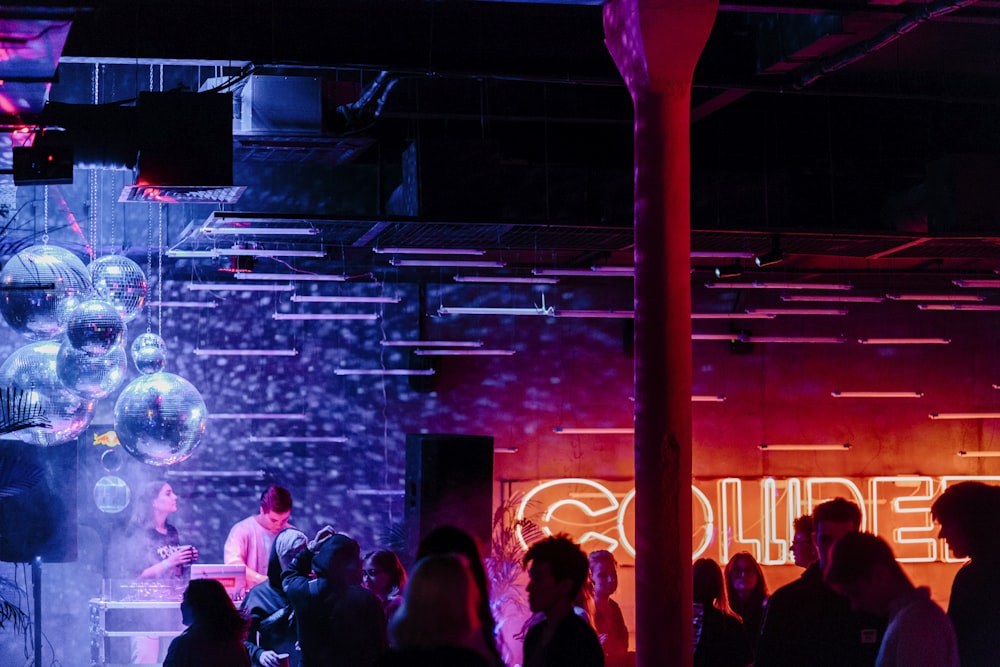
[(449, 481)]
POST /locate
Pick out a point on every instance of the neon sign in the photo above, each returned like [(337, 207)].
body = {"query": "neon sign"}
[(755, 515)]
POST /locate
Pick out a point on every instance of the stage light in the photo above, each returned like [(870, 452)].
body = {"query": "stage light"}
[(773, 256), (734, 270)]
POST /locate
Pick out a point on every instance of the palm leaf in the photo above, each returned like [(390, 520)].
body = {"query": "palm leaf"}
[(19, 410)]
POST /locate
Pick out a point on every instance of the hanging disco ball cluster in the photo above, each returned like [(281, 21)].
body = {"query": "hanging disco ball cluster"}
[(77, 318)]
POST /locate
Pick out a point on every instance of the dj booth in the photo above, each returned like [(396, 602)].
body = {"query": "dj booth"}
[(147, 608)]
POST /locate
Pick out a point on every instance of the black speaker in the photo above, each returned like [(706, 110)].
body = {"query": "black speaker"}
[(42, 165), (41, 519), (449, 481)]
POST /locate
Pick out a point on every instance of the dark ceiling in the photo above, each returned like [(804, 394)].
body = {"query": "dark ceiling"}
[(862, 135)]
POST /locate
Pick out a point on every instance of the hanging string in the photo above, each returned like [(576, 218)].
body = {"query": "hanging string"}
[(114, 189), (159, 271), (45, 218), (92, 176), (149, 258)]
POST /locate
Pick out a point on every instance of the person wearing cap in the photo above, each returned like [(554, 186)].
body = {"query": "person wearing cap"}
[(272, 623), (340, 623)]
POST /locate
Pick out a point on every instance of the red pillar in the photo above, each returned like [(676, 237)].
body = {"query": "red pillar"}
[(655, 45)]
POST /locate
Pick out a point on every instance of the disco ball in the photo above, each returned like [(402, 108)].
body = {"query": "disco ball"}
[(160, 418), (39, 289), (32, 368), (95, 327), (111, 494), (119, 281), (91, 375), (149, 353)]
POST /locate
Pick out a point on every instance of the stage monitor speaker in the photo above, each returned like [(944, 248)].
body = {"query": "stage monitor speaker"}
[(40, 520), (449, 481)]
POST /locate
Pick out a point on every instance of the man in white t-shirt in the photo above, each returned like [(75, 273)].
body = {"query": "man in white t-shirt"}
[(249, 542)]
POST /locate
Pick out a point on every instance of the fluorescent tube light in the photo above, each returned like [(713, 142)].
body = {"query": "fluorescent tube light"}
[(182, 254), (260, 231), (443, 310), (593, 431), (382, 371), (181, 304), (964, 415), (958, 306), (227, 287), (465, 352), (935, 297), (796, 311), (731, 336), (792, 339), (505, 450), (731, 316), (805, 448), (977, 284), (297, 438), (721, 254), (980, 454), (322, 317), (597, 314), (591, 272), (427, 251), (301, 277), (245, 353), (344, 299), (904, 341), (375, 492), (298, 416), (431, 343), (262, 252), (211, 474), (759, 285), (501, 279), (707, 398), (877, 394), (831, 298), (448, 263)]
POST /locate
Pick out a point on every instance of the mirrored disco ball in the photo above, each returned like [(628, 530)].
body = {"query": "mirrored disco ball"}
[(160, 418), (91, 375), (32, 368), (149, 353), (111, 494), (39, 288), (121, 282), (95, 327)]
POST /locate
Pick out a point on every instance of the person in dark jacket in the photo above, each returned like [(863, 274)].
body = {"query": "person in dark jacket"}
[(215, 633), (340, 624), (719, 640), (272, 623)]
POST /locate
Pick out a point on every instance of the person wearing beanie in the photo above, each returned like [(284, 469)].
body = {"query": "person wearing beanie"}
[(340, 623), (272, 623)]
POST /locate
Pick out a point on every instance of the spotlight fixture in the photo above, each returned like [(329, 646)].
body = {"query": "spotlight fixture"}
[(773, 256), (734, 270)]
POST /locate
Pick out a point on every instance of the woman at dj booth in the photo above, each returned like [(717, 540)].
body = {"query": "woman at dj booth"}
[(151, 551)]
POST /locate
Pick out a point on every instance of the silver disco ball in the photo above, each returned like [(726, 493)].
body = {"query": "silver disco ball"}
[(121, 282), (111, 494), (149, 353), (160, 418), (95, 326), (32, 368), (39, 289), (91, 375)]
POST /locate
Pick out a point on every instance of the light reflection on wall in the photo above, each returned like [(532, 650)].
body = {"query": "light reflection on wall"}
[(732, 514)]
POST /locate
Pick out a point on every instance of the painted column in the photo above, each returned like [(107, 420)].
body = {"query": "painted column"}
[(655, 45)]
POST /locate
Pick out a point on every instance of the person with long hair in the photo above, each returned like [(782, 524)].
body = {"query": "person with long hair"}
[(719, 640), (438, 621), (215, 633), (385, 576), (747, 592), (151, 550), (608, 618), (969, 514)]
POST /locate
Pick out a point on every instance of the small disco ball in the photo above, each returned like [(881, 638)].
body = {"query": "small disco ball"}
[(39, 289), (160, 418), (149, 353), (32, 369), (111, 494), (119, 281), (91, 375), (95, 327)]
